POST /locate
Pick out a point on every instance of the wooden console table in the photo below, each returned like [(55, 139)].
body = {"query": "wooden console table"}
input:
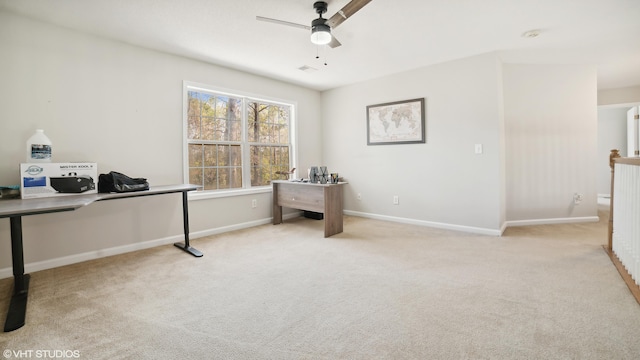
[(322, 198), (16, 209)]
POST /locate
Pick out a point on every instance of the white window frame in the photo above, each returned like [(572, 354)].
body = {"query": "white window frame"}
[(246, 157)]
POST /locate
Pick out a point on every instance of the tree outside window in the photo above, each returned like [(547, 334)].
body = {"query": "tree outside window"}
[(229, 137)]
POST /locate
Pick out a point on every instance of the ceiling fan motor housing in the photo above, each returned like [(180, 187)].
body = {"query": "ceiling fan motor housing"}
[(320, 24), (321, 7)]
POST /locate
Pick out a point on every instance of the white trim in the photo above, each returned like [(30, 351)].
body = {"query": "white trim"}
[(469, 229), (202, 195), (91, 255), (246, 225), (623, 105), (503, 228), (552, 221), (101, 253), (472, 229), (185, 144), (212, 89), (224, 229)]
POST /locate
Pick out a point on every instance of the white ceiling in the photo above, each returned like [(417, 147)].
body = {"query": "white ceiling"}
[(385, 37)]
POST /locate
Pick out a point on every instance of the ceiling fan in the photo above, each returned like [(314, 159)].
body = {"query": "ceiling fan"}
[(321, 27)]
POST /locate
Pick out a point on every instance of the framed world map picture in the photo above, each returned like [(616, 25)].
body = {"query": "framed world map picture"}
[(400, 122)]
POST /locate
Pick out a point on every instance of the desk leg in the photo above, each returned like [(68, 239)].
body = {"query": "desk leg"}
[(332, 210), (185, 219), (18, 306), (277, 209)]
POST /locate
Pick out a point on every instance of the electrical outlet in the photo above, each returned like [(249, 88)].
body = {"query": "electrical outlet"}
[(254, 203), (359, 196), (396, 200), (478, 149), (577, 199)]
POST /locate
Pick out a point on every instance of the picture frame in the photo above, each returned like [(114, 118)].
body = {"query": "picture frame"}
[(398, 122)]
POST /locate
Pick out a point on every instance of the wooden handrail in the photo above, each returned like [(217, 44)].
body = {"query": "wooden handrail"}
[(628, 160), (614, 158)]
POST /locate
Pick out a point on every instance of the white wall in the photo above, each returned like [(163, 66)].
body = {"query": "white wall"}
[(619, 96), (120, 106), (551, 131), (440, 183), (612, 134), (612, 128), (110, 102)]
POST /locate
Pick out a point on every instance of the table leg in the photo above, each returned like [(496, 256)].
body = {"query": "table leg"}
[(332, 210), (277, 209), (185, 220), (18, 305)]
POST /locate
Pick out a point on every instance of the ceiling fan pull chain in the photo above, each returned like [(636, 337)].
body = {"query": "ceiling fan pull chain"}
[(326, 54)]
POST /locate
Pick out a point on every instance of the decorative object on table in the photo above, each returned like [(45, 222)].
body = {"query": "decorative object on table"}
[(286, 173), (72, 183), (323, 176), (39, 148), (120, 183), (313, 174), (334, 178), (57, 179), (400, 122)]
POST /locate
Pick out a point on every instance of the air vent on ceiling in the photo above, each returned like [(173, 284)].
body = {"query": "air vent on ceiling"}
[(531, 34), (307, 68)]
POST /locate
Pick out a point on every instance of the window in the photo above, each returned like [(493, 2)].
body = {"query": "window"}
[(268, 137), (234, 141)]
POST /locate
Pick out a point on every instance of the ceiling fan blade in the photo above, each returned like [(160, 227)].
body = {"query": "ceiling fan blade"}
[(334, 42), (282, 22), (346, 12)]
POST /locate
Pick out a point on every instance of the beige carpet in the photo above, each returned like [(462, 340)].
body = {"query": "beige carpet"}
[(379, 290)]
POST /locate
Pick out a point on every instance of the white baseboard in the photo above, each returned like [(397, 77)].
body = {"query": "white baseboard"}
[(245, 225), (97, 254), (224, 229), (475, 230), (552, 221), (464, 228), (92, 255)]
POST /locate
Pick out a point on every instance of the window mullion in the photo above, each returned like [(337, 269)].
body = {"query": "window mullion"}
[(246, 155)]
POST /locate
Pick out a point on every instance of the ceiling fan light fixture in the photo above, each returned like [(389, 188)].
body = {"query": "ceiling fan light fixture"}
[(320, 34), (321, 37)]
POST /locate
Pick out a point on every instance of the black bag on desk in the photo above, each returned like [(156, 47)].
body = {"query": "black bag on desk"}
[(117, 182)]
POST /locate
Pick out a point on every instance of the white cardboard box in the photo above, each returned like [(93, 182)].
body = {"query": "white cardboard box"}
[(57, 179)]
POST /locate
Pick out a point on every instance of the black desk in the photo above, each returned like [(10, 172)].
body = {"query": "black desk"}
[(16, 209)]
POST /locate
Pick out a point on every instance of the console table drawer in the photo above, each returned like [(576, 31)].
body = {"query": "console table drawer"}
[(310, 198)]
